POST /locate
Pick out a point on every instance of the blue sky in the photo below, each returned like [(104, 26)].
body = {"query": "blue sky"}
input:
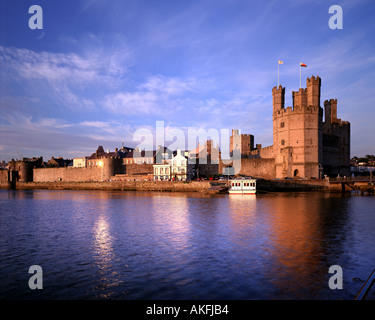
[(99, 71)]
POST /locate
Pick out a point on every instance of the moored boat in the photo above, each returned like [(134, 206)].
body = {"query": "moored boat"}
[(242, 186)]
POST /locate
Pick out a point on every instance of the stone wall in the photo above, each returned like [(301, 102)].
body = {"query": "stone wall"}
[(68, 174), (170, 186), (3, 176), (258, 168), (138, 168), (262, 153)]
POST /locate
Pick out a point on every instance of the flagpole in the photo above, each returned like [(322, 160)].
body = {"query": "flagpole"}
[(278, 73)]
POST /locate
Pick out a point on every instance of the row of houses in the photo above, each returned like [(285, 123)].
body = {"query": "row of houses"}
[(128, 156), (163, 163)]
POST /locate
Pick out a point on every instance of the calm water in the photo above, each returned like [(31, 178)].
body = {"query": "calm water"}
[(127, 245)]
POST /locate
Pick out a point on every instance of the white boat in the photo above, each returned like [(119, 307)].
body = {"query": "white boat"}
[(242, 186)]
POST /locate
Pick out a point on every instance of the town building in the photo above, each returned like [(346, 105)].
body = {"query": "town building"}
[(162, 172), (59, 162), (80, 162), (178, 168), (138, 156)]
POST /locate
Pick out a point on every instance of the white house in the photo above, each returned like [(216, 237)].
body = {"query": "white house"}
[(180, 168), (80, 162), (162, 172), (175, 169)]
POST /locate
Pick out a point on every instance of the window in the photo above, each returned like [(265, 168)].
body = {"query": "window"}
[(282, 124), (282, 142)]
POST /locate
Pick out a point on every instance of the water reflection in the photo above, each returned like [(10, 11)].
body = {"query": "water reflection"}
[(171, 222), (294, 241), (104, 257), (185, 245)]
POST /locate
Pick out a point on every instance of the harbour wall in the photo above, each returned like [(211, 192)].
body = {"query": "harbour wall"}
[(296, 185), (176, 186), (171, 186)]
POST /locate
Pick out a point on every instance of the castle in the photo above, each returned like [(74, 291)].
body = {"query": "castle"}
[(304, 146)]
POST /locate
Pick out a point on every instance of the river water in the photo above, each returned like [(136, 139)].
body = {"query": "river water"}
[(151, 245)]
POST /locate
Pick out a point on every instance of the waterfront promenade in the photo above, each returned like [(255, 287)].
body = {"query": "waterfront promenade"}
[(208, 186)]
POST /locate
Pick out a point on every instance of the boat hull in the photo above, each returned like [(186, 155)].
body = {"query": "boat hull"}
[(243, 192)]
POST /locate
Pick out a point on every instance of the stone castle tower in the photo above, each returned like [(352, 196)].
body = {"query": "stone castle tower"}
[(297, 131), (244, 143), (336, 141), (304, 145)]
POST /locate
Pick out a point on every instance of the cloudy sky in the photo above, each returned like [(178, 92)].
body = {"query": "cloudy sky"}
[(100, 71)]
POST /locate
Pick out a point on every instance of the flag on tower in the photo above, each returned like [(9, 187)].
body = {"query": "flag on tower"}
[(278, 72), (300, 68)]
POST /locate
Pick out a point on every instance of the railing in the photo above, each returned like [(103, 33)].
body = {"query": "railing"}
[(366, 287), (343, 179)]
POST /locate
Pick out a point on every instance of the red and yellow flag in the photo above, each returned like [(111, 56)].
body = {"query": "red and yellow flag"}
[(302, 65)]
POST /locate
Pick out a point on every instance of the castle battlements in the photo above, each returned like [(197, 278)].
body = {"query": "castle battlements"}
[(313, 79), (298, 109), (300, 91), (340, 123)]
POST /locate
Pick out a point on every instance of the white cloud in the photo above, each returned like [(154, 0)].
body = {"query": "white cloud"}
[(132, 103), (68, 79), (158, 95)]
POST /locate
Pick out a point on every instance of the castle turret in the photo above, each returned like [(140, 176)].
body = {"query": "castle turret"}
[(299, 98), (278, 98), (244, 143), (25, 171), (110, 167), (336, 141), (330, 111), (313, 91)]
